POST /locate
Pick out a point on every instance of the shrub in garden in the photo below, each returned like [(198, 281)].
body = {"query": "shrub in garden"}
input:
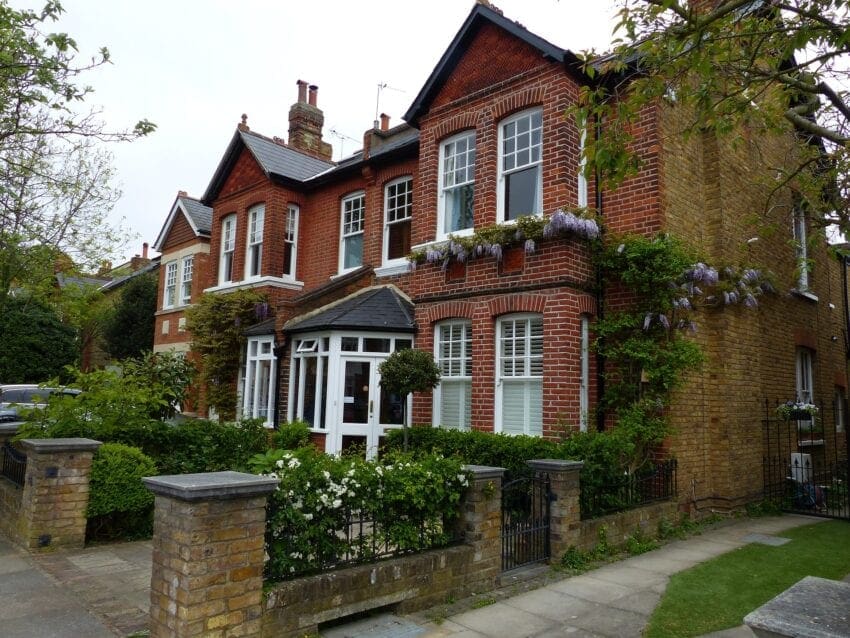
[(292, 435), (119, 503), (407, 505)]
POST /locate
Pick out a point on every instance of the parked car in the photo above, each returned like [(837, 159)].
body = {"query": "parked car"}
[(15, 397)]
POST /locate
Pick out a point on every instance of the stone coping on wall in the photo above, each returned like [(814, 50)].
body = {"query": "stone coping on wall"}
[(550, 465), (484, 471), (49, 446), (9, 429), (811, 608), (210, 485)]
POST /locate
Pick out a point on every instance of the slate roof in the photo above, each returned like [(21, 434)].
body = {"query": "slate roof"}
[(119, 281), (258, 329), (64, 281), (201, 216), (381, 308)]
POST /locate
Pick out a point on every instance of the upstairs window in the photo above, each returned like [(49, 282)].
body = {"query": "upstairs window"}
[(290, 241), (801, 248), (398, 206), (351, 243), (805, 384), (582, 166), (254, 255), (457, 184), (228, 247), (186, 280), (520, 158), (169, 298)]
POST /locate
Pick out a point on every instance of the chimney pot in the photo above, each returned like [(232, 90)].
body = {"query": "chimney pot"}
[(243, 125), (302, 90), (314, 92), (145, 250), (182, 194), (385, 122)]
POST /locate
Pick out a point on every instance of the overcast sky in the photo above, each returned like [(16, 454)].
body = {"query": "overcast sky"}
[(194, 66)]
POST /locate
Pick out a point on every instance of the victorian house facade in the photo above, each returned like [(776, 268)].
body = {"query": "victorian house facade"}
[(485, 141)]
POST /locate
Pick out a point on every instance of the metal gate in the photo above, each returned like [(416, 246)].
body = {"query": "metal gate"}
[(806, 461), (525, 521)]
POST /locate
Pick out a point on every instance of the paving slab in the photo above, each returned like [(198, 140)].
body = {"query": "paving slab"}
[(552, 604), (613, 622), (379, 626), (630, 576), (592, 589), (766, 539), (503, 621)]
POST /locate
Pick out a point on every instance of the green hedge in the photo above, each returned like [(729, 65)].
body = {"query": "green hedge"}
[(119, 503)]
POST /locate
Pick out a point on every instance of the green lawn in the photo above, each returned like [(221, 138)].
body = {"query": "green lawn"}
[(718, 594)]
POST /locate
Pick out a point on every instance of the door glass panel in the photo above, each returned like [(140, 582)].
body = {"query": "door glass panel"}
[(392, 408), (356, 392)]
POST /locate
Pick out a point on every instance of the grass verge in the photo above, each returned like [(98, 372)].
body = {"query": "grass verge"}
[(718, 594)]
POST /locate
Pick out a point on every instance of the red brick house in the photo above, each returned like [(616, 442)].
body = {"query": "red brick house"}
[(485, 141)]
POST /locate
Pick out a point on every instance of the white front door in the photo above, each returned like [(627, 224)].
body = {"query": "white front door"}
[(367, 410)]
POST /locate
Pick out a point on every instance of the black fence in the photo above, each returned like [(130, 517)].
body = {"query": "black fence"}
[(525, 521), (806, 465), (656, 482), (13, 464)]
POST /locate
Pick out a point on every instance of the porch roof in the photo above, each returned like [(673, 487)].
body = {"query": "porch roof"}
[(382, 309)]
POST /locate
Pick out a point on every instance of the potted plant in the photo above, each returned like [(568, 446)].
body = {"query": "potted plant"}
[(796, 410)]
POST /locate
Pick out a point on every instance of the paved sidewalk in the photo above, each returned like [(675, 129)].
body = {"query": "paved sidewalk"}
[(97, 592), (615, 600)]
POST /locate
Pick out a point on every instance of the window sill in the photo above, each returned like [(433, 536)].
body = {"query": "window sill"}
[(805, 294), (393, 269), (810, 442), (256, 282), (172, 309)]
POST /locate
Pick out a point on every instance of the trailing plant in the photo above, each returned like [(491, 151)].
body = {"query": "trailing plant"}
[(796, 409), (408, 505), (217, 324), (406, 371), (526, 230), (646, 352)]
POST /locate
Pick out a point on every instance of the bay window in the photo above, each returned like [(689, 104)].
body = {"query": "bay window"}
[(290, 241), (457, 184), (257, 390), (169, 298), (398, 209), (186, 280), (309, 381), (519, 374), (228, 247), (520, 173), (353, 222), (453, 354), (254, 254)]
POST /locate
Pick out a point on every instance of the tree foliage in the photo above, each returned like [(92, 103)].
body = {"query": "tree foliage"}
[(217, 324), (37, 345), (55, 181), (128, 330), (771, 66)]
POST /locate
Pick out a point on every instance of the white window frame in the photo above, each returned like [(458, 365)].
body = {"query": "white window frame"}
[(584, 381), (463, 379), (388, 210), (351, 228), (311, 347), (801, 248), (169, 295), (253, 407), (581, 180), (187, 267), (227, 253), (290, 237), (805, 375), (254, 244), (527, 361), (501, 197), (443, 189), (840, 412)]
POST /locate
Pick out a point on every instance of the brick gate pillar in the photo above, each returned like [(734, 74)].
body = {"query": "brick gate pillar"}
[(565, 510), (481, 524), (55, 494), (208, 546)]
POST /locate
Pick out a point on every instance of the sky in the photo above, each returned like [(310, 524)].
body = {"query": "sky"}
[(194, 67)]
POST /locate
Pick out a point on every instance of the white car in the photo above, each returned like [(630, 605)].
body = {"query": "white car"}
[(26, 395)]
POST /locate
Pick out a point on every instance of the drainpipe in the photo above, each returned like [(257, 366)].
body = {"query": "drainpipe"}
[(278, 352), (844, 263), (600, 296)]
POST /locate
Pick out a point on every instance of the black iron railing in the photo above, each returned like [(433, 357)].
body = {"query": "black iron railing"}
[(13, 464), (525, 521), (656, 482)]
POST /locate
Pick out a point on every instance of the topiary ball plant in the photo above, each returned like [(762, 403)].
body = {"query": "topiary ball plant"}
[(406, 371)]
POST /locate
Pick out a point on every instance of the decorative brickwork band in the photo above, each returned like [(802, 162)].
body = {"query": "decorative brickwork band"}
[(208, 544), (55, 493), (565, 509)]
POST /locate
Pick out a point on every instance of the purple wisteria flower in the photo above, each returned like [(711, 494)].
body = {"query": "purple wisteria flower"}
[(530, 246), (750, 301), (664, 321), (647, 320), (495, 251), (433, 255)]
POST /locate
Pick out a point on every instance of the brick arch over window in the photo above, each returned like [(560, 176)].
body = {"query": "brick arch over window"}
[(394, 173), (455, 124), (449, 310), (527, 98), (805, 338), (587, 305), (516, 303)]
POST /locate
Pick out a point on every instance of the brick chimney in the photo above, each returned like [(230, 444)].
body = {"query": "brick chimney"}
[(385, 122), (305, 123)]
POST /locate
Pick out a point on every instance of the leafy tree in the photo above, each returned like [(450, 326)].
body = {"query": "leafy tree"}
[(128, 330), (406, 371), (55, 183), (217, 324), (773, 66), (36, 344)]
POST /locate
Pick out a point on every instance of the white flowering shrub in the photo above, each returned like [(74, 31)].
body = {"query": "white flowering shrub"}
[(329, 511)]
